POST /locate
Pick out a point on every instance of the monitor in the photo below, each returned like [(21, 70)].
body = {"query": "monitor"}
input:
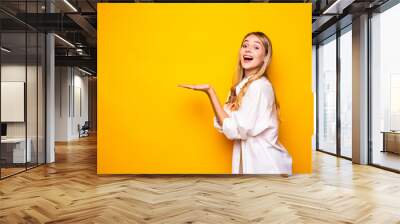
[(3, 129)]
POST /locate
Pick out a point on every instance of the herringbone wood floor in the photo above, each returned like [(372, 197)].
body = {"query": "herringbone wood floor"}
[(70, 191)]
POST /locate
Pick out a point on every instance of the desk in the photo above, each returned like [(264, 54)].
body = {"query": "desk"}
[(15, 148), (391, 141)]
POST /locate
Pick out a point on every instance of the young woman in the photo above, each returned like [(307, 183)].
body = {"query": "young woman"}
[(250, 115)]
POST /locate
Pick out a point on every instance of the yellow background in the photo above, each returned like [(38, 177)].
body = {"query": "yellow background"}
[(147, 125)]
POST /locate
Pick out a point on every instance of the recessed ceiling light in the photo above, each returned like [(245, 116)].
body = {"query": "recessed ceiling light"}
[(70, 5), (5, 50), (84, 71), (337, 7), (64, 40)]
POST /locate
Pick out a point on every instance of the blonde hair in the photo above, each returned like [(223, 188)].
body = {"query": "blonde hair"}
[(234, 100)]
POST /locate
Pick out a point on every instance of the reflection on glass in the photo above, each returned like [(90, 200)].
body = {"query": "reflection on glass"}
[(386, 88), (22, 90), (31, 86), (346, 94), (327, 96), (15, 151), (41, 98)]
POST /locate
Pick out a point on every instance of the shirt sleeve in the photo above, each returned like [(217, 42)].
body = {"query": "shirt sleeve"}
[(253, 116), (216, 125)]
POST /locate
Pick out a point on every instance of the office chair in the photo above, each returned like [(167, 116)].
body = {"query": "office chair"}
[(84, 130)]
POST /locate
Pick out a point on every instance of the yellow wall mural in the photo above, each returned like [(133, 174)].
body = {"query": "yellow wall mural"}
[(147, 125)]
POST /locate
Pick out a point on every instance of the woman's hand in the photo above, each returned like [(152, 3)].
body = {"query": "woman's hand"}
[(201, 87), (229, 106), (212, 95)]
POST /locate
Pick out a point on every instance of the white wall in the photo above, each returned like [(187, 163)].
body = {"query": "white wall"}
[(71, 93), (80, 84), (62, 81)]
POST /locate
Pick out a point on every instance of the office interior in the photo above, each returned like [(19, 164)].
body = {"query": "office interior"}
[(49, 81), (48, 76), (354, 67)]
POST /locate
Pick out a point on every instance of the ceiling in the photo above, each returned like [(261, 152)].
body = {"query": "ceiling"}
[(72, 20), (76, 22)]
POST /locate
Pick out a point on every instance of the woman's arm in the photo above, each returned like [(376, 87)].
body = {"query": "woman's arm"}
[(212, 95), (256, 113), (218, 109)]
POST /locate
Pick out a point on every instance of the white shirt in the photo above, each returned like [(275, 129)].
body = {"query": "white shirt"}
[(254, 127)]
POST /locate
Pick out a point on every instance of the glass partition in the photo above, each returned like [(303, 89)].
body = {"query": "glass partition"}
[(41, 109), (14, 153), (22, 88), (32, 95)]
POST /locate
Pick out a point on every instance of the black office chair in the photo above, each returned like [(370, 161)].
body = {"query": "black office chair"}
[(84, 130)]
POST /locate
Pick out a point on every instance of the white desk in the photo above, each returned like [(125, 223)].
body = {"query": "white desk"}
[(18, 149)]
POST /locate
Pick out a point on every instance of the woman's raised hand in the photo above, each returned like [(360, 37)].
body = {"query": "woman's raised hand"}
[(212, 95), (199, 87)]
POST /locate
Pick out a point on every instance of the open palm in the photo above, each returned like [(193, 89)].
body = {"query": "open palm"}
[(200, 87)]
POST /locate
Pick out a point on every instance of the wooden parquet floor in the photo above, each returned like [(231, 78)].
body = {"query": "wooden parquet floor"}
[(70, 191)]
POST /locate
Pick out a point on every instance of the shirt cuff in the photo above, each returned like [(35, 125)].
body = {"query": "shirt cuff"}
[(229, 128), (216, 125)]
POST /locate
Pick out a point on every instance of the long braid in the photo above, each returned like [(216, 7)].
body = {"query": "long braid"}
[(237, 101)]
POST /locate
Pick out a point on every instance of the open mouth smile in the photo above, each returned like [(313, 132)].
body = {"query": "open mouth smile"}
[(247, 58)]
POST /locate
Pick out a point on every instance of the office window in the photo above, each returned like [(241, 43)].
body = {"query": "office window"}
[(327, 95), (385, 88), (346, 92)]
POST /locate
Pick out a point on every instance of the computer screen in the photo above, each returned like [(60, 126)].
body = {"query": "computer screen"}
[(3, 129)]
